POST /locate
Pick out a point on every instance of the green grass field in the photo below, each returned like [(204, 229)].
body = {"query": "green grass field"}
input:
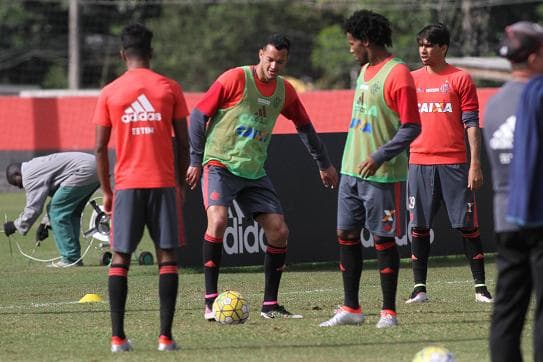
[(41, 319)]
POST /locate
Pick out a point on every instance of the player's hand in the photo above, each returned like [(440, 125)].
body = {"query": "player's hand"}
[(475, 178), (43, 232), (329, 177), (193, 176), (107, 202), (368, 167), (9, 228)]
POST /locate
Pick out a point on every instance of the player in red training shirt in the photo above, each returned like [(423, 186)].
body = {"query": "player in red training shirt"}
[(230, 130), (438, 168), (374, 167), (144, 109)]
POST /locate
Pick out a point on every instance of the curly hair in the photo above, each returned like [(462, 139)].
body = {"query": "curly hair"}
[(369, 26)]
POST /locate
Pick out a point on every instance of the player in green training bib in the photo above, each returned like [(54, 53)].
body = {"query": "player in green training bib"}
[(384, 121)]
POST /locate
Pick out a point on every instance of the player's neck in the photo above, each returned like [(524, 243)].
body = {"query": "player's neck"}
[(437, 68), (259, 74), (137, 63), (377, 55), (523, 75)]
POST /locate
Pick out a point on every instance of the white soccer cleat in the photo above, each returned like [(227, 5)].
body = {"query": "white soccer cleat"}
[(387, 320), (166, 344), (344, 317), (209, 315), (121, 345), (483, 295), (420, 297)]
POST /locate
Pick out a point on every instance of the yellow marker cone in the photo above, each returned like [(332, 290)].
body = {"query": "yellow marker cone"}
[(91, 298)]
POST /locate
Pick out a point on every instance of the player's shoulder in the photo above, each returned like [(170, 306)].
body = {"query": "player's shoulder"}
[(232, 75)]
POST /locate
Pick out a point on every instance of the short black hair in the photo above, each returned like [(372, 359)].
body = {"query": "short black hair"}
[(435, 34), (369, 26), (136, 41), (13, 170), (279, 41)]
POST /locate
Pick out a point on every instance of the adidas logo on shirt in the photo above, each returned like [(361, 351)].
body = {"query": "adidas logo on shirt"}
[(140, 110)]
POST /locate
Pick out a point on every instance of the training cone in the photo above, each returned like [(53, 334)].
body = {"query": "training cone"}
[(91, 298)]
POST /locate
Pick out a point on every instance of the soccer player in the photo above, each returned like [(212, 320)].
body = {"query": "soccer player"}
[(438, 168), (144, 109), (374, 168), (230, 130), (70, 179), (519, 247)]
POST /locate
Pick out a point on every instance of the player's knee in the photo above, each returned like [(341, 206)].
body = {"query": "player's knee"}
[(279, 234), (470, 233), (348, 235), (418, 232)]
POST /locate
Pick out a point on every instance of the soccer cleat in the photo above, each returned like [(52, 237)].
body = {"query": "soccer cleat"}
[(64, 264), (279, 311), (482, 294), (120, 345), (418, 295), (387, 320), (344, 317), (208, 314), (166, 344)]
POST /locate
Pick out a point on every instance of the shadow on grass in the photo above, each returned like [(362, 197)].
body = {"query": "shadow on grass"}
[(385, 342), (371, 264)]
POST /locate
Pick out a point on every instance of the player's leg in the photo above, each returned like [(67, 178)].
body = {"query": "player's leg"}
[(212, 254), (422, 204), (462, 210), (127, 225), (513, 292), (276, 231), (259, 199), (386, 222), (350, 218), (219, 187), (161, 220), (536, 238), (118, 292)]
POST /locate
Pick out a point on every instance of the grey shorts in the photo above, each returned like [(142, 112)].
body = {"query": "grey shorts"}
[(430, 185), (375, 206), (220, 187), (135, 208)]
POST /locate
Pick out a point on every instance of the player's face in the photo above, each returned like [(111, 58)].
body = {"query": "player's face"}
[(432, 54), (357, 49), (272, 61)]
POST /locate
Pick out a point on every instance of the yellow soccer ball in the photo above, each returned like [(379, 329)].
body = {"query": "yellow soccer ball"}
[(231, 307), (434, 354)]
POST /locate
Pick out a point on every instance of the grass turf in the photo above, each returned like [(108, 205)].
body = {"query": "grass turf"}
[(40, 319)]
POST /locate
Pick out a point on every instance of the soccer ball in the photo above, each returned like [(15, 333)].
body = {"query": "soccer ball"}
[(230, 308), (434, 354)]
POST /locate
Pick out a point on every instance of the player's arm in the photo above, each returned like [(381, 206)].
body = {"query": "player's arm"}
[(470, 117), (475, 174), (197, 139), (182, 138), (404, 101), (102, 165), (295, 111)]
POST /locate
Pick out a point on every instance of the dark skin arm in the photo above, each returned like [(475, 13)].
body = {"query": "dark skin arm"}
[(181, 135), (102, 165)]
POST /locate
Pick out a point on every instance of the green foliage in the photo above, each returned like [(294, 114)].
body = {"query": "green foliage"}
[(331, 55)]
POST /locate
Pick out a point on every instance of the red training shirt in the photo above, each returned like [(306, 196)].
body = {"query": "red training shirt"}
[(441, 100), (140, 106)]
